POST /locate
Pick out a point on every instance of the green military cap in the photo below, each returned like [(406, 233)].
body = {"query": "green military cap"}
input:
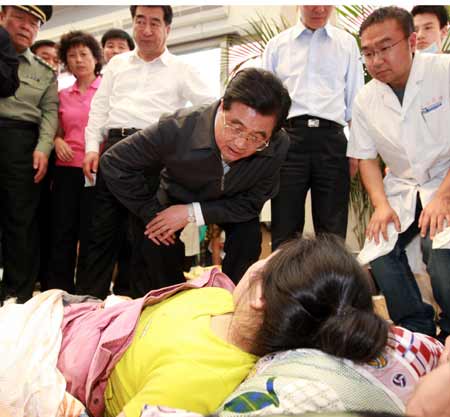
[(43, 13)]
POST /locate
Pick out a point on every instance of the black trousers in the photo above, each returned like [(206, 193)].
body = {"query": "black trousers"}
[(72, 211), (316, 161), (108, 243), (19, 200), (45, 221), (156, 266)]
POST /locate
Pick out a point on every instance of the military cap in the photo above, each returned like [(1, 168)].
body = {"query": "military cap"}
[(43, 13)]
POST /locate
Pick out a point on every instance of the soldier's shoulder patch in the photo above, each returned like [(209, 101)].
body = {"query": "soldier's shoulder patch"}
[(44, 63)]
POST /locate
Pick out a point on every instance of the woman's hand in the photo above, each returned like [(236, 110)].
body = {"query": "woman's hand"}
[(63, 150)]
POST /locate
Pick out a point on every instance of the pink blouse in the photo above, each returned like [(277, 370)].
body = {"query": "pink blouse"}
[(73, 117)]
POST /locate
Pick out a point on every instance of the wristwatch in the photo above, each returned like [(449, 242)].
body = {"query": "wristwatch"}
[(191, 216)]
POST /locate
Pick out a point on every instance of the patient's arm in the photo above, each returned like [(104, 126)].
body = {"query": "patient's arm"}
[(431, 397)]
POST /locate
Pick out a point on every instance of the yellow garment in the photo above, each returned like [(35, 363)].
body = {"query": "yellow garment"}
[(176, 360)]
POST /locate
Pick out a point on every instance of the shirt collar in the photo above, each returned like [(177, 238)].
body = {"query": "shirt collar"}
[(95, 84), (27, 54), (301, 28), (164, 57)]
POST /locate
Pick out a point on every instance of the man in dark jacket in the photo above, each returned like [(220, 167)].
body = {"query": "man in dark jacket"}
[(9, 65), (218, 164)]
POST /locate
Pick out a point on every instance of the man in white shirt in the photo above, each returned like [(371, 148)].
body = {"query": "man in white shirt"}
[(403, 115), (319, 65), (136, 89)]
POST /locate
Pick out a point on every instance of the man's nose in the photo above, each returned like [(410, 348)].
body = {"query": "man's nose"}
[(241, 142)]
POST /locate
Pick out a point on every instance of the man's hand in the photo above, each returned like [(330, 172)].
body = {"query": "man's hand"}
[(164, 225), (90, 165), (353, 166), (40, 161), (63, 150), (382, 216), (433, 215)]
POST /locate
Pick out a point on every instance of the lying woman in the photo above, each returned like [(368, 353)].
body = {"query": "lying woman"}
[(191, 350), (183, 346)]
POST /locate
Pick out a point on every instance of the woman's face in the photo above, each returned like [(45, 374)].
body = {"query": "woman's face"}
[(80, 61)]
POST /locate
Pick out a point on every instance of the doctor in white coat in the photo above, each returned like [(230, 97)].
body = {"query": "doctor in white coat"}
[(403, 115)]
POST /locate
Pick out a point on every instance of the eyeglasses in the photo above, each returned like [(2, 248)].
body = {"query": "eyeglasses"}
[(256, 140), (369, 56)]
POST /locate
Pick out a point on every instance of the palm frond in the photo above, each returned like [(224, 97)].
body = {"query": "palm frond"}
[(243, 48)]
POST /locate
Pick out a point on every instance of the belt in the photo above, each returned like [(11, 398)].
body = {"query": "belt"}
[(18, 124), (312, 122), (121, 132)]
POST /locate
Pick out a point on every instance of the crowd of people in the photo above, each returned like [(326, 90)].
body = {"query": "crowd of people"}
[(109, 170)]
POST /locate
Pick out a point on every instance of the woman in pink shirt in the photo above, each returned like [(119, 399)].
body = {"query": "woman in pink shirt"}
[(71, 200)]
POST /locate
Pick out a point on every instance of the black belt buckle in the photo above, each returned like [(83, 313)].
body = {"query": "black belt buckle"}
[(313, 123)]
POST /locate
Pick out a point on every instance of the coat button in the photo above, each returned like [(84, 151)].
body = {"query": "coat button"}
[(96, 401)]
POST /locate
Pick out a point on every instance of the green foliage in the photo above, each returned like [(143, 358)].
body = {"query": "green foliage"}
[(243, 48)]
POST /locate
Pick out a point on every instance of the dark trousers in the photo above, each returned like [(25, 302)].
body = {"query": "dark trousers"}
[(316, 161), (156, 266), (19, 199), (107, 243), (45, 221), (399, 286), (72, 210)]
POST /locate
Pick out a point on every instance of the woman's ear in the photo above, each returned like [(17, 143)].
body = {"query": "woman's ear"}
[(257, 301)]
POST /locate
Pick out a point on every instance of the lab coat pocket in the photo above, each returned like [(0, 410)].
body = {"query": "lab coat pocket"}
[(436, 121)]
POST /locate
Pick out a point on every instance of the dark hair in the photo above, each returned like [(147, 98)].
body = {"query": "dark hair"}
[(402, 16), (43, 42), (75, 38), (117, 34), (261, 90), (439, 11), (317, 296), (167, 10)]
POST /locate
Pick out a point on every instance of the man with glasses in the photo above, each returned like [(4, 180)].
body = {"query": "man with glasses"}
[(403, 115), (28, 122), (318, 63), (218, 164)]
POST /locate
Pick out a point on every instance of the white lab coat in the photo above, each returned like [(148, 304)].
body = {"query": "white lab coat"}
[(413, 139)]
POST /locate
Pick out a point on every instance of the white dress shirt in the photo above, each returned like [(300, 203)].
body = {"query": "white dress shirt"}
[(135, 93), (413, 139), (320, 69)]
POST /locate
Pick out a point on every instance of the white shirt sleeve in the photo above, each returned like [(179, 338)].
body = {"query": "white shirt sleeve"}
[(199, 219), (194, 88), (98, 114), (360, 144), (354, 79)]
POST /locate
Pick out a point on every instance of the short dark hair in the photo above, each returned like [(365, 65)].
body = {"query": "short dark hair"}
[(316, 295), (440, 12), (117, 34), (167, 10), (78, 37), (261, 90), (43, 42), (402, 16)]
